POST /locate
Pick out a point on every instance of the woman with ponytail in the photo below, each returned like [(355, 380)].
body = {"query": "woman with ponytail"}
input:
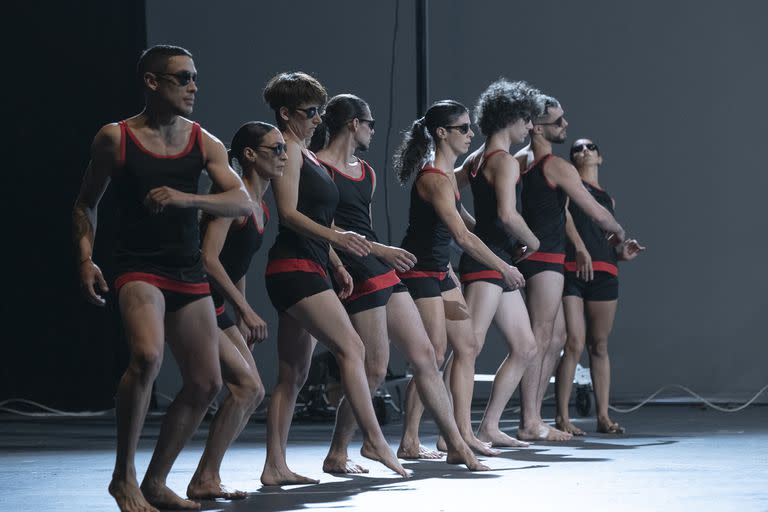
[(298, 285), (258, 153), (379, 305), (436, 216)]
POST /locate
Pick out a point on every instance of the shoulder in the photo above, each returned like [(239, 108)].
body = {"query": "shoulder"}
[(559, 165), (503, 161), (209, 139), (108, 135)]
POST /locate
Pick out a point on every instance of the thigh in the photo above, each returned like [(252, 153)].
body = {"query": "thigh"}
[(432, 315), (236, 359), (142, 309), (600, 316), (192, 336), (544, 293), (406, 328), (458, 327), (511, 317), (294, 345), (483, 300), (325, 318), (371, 325)]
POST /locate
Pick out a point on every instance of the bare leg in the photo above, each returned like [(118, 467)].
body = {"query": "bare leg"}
[(511, 318), (544, 299), (371, 325), (245, 393), (192, 338), (573, 307), (600, 316), (142, 308)]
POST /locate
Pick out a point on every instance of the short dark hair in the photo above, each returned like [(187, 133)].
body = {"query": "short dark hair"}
[(503, 103), (155, 59), (340, 110), (543, 104), (291, 90)]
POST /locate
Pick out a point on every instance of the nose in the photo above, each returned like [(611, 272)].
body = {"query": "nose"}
[(529, 125), (471, 133), (565, 123)]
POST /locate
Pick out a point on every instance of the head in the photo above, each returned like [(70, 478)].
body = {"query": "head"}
[(584, 152), (549, 121), (167, 75), (297, 99), (445, 126), (345, 115), (506, 105), (258, 149)]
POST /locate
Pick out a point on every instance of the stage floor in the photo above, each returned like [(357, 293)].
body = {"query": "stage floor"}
[(674, 458)]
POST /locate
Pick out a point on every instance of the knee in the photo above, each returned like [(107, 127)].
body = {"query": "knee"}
[(424, 359), (574, 345), (470, 348), (527, 351), (250, 391), (146, 362), (203, 390), (376, 373), (598, 347), (351, 352)]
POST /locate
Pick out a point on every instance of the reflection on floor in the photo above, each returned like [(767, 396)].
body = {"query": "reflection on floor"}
[(673, 458)]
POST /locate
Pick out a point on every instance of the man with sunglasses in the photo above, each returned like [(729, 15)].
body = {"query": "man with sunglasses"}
[(155, 160), (548, 183)]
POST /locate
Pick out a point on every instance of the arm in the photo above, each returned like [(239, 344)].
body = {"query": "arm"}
[(565, 176), (461, 172), (286, 191), (251, 325), (506, 172), (439, 192), (232, 201), (467, 218), (104, 157), (583, 258)]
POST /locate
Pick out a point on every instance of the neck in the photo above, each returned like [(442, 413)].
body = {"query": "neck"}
[(499, 140), (540, 146), (445, 160), (589, 173), (340, 151), (290, 135), (256, 186), (159, 117)]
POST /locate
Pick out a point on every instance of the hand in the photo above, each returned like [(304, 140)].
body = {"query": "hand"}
[(90, 278), (584, 265), (158, 198), (520, 253), (617, 237), (629, 249), (513, 277), (351, 242), (252, 327), (397, 258), (344, 280)]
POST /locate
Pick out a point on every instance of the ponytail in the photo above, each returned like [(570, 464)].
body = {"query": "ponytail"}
[(412, 153)]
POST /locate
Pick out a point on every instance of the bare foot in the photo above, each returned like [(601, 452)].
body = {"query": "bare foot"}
[(284, 476), (162, 497), (607, 426), (499, 439), (342, 465), (211, 489), (384, 455), (464, 455), (129, 497), (481, 447), (543, 432), (565, 425), (441, 445), (418, 452)]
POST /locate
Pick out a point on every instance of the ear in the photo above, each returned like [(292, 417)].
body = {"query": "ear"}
[(284, 113), (150, 81), (355, 124), (537, 129), (599, 159), (249, 153), (441, 132)]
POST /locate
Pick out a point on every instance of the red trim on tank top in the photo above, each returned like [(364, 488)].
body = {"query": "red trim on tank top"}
[(164, 283), (294, 265), (370, 170), (434, 170), (350, 178), (597, 266), (548, 257), (309, 155), (200, 142), (419, 274), (220, 309), (193, 137), (121, 156), (373, 284), (477, 276), (484, 160)]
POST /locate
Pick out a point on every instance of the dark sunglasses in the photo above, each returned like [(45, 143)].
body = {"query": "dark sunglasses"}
[(557, 122), (581, 147), (182, 77), (311, 112), (278, 149), (463, 128), (371, 122)]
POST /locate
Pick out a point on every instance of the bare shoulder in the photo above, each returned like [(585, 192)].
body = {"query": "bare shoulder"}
[(108, 135), (559, 165), (524, 157), (433, 184), (209, 139), (504, 161)]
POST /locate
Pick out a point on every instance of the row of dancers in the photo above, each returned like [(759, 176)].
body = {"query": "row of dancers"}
[(330, 278)]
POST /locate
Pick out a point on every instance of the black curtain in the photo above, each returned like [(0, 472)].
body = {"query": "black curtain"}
[(70, 70)]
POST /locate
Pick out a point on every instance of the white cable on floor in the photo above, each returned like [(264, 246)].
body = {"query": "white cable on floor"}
[(49, 411), (695, 395)]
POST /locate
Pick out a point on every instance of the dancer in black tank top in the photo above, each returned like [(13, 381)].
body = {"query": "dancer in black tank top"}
[(436, 216), (503, 113), (258, 149), (379, 305), (297, 281), (547, 181), (590, 296), (155, 159)]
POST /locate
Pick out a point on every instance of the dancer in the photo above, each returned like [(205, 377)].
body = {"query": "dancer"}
[(503, 113), (379, 305), (258, 149), (548, 181), (298, 286), (435, 218), (155, 159), (590, 296)]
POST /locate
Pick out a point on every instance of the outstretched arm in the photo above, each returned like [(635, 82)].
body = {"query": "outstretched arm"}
[(583, 258), (506, 172)]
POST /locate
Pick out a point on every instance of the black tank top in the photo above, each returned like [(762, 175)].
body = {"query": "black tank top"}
[(165, 243), (427, 236), (243, 241), (544, 211), (488, 227), (318, 197), (604, 257)]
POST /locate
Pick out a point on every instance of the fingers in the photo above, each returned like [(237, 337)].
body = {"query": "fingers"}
[(102, 283), (91, 295), (590, 273), (355, 244)]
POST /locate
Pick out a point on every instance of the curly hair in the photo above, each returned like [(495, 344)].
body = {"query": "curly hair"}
[(503, 103), (543, 104), (291, 90)]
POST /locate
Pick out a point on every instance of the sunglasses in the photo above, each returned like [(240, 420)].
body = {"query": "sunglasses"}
[(557, 122), (182, 77), (311, 112), (371, 122), (463, 128), (278, 149), (581, 147)]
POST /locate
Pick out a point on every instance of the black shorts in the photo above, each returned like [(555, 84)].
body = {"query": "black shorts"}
[(223, 320), (425, 284), (604, 287), (370, 292), (530, 267), (287, 288), (472, 271), (373, 300), (177, 294)]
